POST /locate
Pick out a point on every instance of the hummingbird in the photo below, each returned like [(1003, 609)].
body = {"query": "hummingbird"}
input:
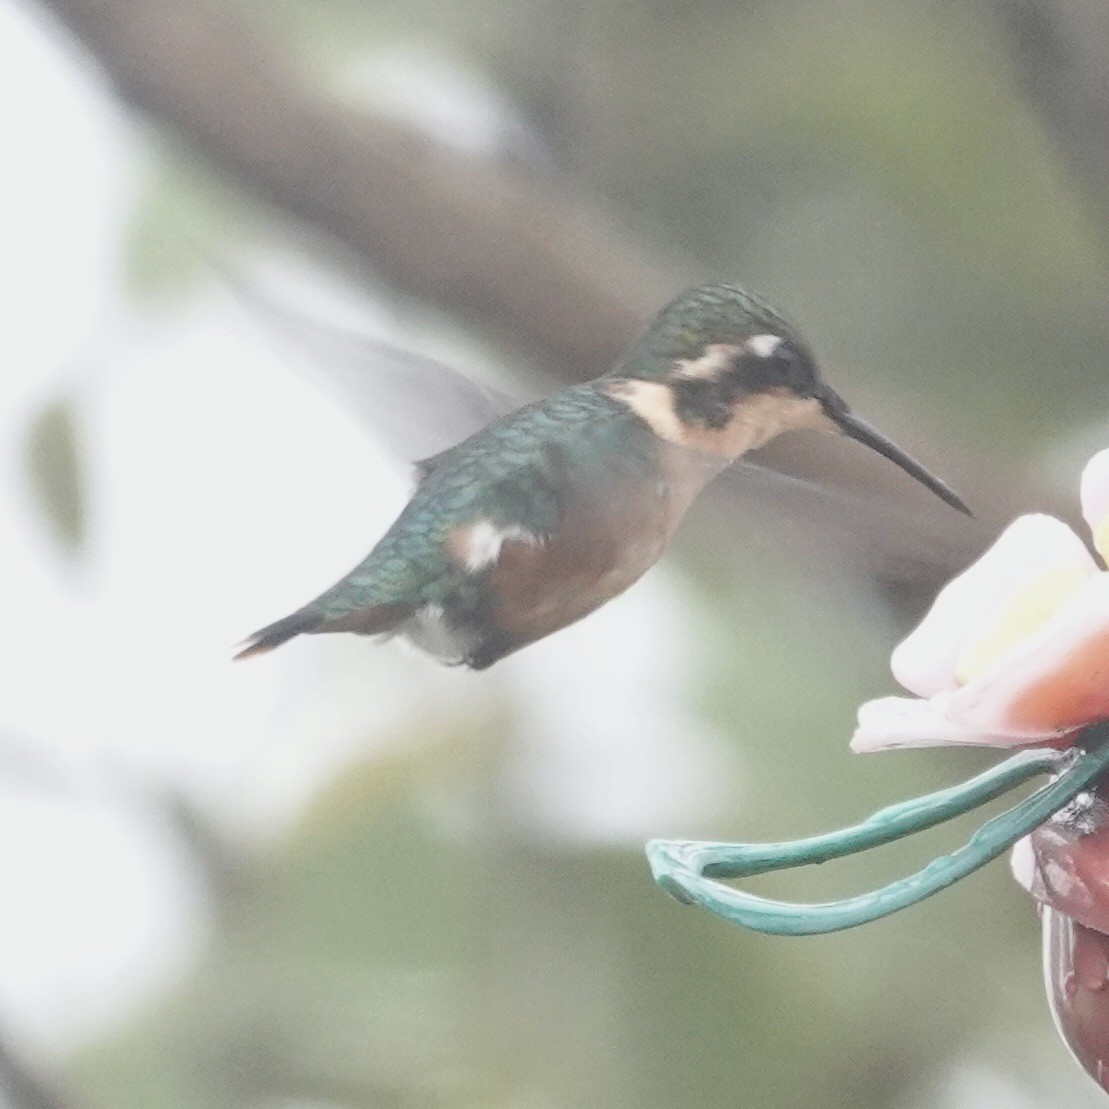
[(551, 510)]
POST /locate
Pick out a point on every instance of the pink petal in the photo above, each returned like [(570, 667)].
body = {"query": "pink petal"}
[(1095, 499), (1030, 548), (892, 722), (1057, 680), (1022, 863)]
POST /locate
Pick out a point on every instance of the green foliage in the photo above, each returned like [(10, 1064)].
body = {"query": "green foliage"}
[(185, 216), (382, 957), (52, 457)]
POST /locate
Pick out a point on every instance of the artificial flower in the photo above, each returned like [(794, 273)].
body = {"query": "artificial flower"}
[(1015, 650)]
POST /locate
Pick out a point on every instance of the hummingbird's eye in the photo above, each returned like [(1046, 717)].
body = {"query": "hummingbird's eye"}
[(778, 360), (784, 362), (771, 362), (787, 366)]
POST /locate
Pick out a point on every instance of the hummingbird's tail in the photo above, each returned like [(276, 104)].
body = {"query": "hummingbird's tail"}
[(281, 631), (377, 619)]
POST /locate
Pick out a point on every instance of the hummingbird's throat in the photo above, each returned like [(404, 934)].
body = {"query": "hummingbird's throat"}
[(754, 419)]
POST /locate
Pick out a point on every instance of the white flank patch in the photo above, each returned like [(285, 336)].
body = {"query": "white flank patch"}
[(764, 345), (484, 542), (427, 631)]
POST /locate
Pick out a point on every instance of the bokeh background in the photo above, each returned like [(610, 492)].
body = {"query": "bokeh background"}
[(340, 877)]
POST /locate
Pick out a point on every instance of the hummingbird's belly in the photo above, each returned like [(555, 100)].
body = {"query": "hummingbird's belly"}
[(535, 596), (510, 586), (533, 590), (599, 550)]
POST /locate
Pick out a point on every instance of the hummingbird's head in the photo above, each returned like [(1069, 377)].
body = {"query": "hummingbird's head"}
[(721, 371)]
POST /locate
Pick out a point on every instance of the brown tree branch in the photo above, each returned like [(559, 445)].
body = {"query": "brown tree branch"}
[(441, 226)]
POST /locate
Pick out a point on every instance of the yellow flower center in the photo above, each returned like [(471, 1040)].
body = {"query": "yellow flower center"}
[(1022, 615)]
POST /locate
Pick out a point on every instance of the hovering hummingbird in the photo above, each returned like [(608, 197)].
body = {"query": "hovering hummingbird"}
[(551, 510)]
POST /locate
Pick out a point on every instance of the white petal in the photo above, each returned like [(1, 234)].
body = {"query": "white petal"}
[(1095, 500), (891, 722), (1055, 681), (1022, 863), (1031, 548)]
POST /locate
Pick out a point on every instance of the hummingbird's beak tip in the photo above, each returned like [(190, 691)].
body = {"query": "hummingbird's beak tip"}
[(963, 507), (949, 496), (865, 433)]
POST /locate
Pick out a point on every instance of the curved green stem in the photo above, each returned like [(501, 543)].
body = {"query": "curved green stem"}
[(688, 869)]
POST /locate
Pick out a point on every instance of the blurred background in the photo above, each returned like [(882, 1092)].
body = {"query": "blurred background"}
[(339, 876)]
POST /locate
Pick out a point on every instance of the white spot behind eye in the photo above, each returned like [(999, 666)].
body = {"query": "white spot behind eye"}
[(764, 345)]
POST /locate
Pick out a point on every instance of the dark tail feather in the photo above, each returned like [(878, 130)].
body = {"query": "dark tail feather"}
[(273, 635), (371, 620)]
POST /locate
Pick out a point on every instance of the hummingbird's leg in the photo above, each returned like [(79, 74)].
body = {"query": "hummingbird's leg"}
[(689, 870)]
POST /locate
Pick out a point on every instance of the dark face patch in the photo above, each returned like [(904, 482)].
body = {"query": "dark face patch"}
[(786, 367), (710, 401)]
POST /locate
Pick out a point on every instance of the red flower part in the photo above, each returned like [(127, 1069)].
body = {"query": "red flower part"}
[(1076, 967)]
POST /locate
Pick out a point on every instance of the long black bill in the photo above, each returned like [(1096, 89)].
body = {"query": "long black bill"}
[(856, 428)]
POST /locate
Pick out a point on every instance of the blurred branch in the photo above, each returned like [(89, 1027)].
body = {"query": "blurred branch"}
[(22, 1087), (1061, 48), (506, 250), (441, 226)]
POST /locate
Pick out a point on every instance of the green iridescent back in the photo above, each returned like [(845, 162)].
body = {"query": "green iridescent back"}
[(520, 472)]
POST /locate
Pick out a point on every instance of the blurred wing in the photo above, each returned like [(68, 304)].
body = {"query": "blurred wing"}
[(789, 495), (900, 541), (417, 408), (413, 406)]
